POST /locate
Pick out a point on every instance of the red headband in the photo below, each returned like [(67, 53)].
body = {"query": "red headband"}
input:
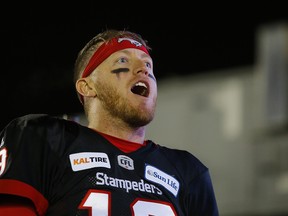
[(106, 49)]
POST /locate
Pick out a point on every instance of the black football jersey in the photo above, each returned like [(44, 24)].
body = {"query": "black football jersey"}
[(68, 169)]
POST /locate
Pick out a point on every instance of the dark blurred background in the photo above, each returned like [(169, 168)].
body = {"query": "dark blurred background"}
[(39, 44)]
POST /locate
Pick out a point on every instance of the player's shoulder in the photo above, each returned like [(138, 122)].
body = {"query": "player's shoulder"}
[(44, 121), (182, 158), (33, 119), (181, 154)]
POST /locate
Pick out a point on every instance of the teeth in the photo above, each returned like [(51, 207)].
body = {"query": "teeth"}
[(141, 84), (140, 88)]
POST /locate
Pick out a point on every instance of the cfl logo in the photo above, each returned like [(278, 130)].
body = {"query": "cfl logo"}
[(125, 162)]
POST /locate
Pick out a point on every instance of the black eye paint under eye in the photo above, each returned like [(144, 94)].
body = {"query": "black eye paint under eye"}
[(119, 70), (151, 76)]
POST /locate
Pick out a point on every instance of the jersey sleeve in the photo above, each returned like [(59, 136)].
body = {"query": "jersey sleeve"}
[(198, 193), (26, 160), (202, 197)]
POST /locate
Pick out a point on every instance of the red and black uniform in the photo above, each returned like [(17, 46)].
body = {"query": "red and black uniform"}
[(69, 169)]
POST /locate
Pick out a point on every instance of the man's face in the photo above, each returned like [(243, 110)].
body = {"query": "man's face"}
[(126, 86)]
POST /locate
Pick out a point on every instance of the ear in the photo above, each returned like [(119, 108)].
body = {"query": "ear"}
[(85, 87)]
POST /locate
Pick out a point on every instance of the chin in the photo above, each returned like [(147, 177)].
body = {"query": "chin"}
[(140, 121)]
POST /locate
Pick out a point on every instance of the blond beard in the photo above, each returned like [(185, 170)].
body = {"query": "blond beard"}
[(120, 108)]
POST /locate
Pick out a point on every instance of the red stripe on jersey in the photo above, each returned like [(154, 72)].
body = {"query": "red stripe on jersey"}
[(15, 187), (14, 208)]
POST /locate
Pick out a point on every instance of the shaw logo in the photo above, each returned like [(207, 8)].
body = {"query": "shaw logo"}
[(125, 162), (87, 160), (169, 182)]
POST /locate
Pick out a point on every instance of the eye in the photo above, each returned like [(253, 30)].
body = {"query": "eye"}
[(122, 60), (148, 65)]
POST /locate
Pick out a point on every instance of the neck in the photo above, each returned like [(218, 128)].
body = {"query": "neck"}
[(118, 128)]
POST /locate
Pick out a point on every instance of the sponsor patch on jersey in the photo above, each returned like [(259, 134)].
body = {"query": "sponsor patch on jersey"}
[(125, 162), (88, 160), (155, 175)]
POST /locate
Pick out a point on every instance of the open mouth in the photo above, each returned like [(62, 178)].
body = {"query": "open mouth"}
[(140, 88)]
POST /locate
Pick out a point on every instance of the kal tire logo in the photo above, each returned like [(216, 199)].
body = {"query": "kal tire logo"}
[(87, 160), (125, 162)]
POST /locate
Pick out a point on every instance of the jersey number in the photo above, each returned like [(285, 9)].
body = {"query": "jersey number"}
[(99, 204), (3, 155)]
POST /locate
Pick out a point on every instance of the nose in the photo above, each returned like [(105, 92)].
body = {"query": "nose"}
[(141, 67)]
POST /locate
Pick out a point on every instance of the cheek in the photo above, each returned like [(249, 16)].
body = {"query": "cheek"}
[(153, 89)]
